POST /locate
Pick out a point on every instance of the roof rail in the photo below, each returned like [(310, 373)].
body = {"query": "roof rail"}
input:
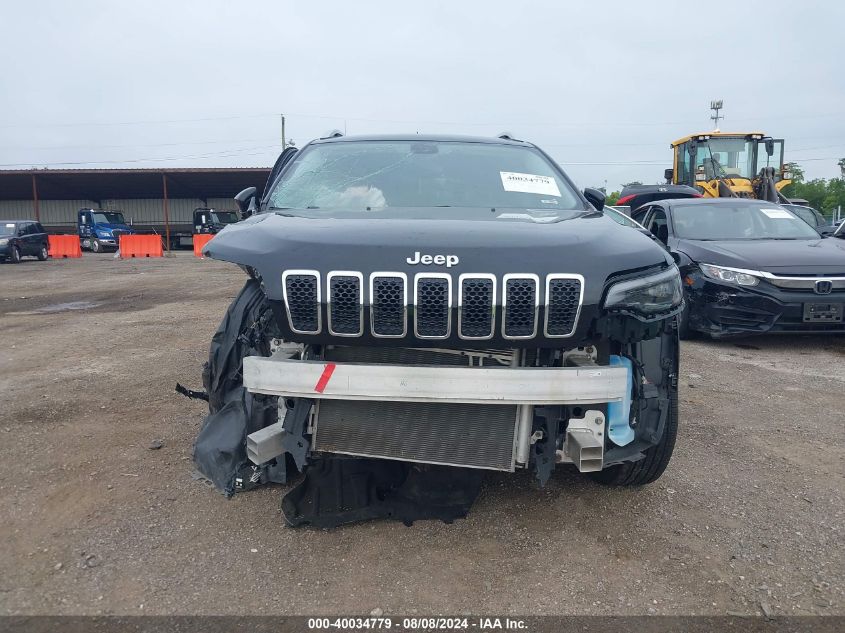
[(332, 134)]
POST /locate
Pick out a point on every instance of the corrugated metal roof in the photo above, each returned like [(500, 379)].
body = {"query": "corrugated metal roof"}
[(103, 184)]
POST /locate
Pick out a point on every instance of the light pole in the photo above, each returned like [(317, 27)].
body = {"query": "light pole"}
[(716, 106)]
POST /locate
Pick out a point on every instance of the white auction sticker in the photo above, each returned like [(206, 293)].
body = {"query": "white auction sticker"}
[(529, 183), (777, 214)]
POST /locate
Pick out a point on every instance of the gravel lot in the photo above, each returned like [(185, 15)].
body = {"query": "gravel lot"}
[(747, 519)]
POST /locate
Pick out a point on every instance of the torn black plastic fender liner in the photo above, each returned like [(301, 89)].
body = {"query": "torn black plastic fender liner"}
[(338, 490), (193, 394), (234, 413), (239, 334)]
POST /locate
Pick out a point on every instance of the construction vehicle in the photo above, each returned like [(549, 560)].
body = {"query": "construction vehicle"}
[(723, 165)]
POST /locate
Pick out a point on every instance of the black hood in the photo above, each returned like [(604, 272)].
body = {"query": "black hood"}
[(821, 256), (591, 245)]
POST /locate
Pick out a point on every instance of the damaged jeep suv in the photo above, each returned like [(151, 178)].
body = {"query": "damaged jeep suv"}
[(421, 309)]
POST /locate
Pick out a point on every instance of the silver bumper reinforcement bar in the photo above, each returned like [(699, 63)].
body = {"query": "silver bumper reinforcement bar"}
[(445, 384)]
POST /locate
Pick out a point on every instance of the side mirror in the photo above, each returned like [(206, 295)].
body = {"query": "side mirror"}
[(668, 174), (246, 201), (595, 197), (770, 146)]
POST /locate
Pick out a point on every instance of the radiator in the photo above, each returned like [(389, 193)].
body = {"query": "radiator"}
[(468, 435)]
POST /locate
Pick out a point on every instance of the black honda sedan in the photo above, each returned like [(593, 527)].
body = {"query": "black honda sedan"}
[(750, 267)]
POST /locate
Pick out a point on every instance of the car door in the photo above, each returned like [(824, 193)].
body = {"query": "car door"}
[(658, 224), (40, 237), (641, 214), (35, 238), (26, 235)]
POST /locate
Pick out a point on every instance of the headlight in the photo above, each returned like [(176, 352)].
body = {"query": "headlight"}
[(731, 275), (104, 234), (647, 296), (4, 242)]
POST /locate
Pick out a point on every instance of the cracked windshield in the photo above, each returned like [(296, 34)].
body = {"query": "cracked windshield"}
[(345, 179)]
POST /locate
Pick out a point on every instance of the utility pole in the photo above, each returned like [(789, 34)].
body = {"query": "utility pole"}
[(283, 132), (166, 212), (716, 106)]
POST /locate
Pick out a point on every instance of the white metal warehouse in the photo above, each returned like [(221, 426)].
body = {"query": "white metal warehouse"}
[(146, 196)]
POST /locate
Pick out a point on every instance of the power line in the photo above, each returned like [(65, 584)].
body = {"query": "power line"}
[(144, 122), (258, 140), (639, 163), (248, 151), (126, 145), (257, 151), (403, 121)]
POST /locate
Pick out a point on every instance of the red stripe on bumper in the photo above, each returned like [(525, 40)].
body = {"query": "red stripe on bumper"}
[(324, 378)]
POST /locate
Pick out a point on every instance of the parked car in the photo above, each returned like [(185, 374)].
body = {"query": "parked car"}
[(425, 308), (22, 238), (635, 196), (750, 267), (813, 218)]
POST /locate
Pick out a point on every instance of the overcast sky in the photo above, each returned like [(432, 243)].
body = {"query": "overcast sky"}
[(603, 87)]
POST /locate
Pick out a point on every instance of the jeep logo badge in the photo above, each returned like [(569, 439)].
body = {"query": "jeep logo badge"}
[(437, 260), (823, 287)]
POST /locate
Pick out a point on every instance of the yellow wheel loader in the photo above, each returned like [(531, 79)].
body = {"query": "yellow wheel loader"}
[(723, 165)]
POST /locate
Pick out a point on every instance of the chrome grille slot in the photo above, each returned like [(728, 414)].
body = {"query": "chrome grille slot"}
[(388, 301), (302, 300), (476, 306), (432, 305), (345, 303), (563, 303), (520, 301), (432, 296)]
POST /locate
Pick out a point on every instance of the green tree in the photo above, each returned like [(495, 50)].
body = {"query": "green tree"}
[(821, 194), (790, 191), (813, 191), (612, 198)]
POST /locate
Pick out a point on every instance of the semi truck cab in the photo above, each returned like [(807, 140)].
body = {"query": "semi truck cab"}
[(100, 229), (212, 220)]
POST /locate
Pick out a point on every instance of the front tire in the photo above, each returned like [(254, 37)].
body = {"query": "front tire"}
[(43, 254), (96, 247), (15, 257), (656, 459)]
